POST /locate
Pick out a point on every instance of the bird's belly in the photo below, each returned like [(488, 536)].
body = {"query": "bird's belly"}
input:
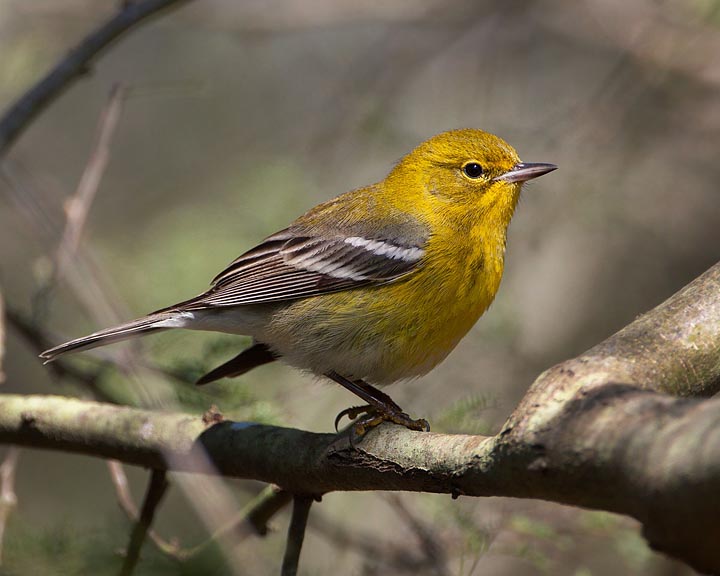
[(389, 333)]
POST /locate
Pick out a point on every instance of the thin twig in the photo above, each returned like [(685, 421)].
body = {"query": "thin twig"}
[(71, 263), (78, 205), (156, 490), (8, 499), (74, 66), (253, 518), (296, 534), (122, 489), (213, 500), (77, 266), (261, 509)]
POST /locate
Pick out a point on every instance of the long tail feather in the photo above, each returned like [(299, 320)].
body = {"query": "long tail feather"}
[(141, 326)]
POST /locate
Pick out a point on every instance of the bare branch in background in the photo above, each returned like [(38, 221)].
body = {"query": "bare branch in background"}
[(156, 490), (87, 283), (8, 499), (296, 534), (74, 66), (258, 513), (70, 263), (122, 489), (78, 205), (252, 519), (212, 499)]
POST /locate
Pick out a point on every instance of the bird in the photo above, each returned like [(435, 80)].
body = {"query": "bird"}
[(372, 287)]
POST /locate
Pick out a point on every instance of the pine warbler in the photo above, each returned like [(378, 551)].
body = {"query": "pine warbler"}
[(374, 286)]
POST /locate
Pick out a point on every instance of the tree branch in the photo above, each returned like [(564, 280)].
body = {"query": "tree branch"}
[(594, 431), (120, 481), (255, 517), (78, 205), (75, 65), (252, 520), (156, 490), (296, 534)]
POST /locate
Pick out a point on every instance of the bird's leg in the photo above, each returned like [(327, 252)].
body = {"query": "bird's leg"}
[(380, 407)]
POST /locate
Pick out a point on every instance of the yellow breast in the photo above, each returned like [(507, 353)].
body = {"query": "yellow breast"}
[(399, 330), (444, 302)]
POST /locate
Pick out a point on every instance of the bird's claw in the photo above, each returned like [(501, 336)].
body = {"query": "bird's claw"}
[(352, 413), (370, 416)]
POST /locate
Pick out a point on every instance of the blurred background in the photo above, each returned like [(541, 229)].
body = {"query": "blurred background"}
[(232, 118)]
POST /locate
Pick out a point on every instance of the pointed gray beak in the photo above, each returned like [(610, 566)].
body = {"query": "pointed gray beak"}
[(526, 171)]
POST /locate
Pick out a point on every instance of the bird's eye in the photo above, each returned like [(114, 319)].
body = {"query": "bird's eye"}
[(472, 170)]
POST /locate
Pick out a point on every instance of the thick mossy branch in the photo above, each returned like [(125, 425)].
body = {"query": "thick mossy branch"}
[(595, 431), (301, 462)]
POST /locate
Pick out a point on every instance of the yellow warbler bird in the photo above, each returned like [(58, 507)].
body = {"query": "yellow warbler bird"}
[(374, 286)]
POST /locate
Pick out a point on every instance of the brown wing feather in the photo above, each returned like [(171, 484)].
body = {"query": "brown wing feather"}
[(287, 267)]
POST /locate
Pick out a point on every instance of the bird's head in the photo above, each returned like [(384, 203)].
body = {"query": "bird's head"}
[(471, 170)]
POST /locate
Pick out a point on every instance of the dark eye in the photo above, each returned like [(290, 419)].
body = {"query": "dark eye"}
[(473, 170)]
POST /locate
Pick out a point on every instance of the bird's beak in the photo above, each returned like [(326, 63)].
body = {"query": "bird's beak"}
[(526, 171)]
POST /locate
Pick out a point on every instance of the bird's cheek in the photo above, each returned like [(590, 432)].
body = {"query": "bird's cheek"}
[(439, 187)]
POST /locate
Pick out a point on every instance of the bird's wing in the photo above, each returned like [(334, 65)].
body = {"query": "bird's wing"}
[(296, 264)]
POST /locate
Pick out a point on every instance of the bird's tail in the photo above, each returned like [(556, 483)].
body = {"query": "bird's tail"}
[(141, 326)]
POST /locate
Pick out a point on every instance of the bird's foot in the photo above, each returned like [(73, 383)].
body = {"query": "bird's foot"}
[(366, 417)]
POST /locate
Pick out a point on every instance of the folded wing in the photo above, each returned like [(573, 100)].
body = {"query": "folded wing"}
[(288, 266)]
